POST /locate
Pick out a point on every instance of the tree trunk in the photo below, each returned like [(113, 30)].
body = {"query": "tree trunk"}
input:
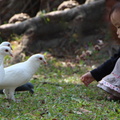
[(10, 7), (59, 20), (56, 29)]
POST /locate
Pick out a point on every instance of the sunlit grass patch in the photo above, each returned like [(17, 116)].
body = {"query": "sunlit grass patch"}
[(60, 95)]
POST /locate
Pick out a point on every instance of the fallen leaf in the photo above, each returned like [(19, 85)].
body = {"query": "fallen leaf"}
[(77, 112)]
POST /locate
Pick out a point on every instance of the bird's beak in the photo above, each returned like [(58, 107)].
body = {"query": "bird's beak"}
[(11, 48), (11, 54), (45, 62)]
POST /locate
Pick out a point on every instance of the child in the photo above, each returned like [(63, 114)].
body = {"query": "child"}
[(108, 72)]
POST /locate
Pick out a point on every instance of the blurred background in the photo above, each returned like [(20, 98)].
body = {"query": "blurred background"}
[(63, 28)]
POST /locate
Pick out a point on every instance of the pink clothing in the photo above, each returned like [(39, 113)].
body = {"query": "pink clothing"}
[(111, 82)]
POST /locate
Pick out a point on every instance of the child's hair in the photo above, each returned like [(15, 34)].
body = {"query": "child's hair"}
[(116, 8)]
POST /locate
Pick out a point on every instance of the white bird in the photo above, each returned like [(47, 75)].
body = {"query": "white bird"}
[(6, 43), (19, 74), (4, 50), (26, 87)]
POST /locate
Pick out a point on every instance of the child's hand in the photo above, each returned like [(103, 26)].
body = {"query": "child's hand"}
[(87, 78)]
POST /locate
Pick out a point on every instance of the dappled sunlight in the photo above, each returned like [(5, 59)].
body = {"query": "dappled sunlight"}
[(73, 36), (75, 79), (62, 71)]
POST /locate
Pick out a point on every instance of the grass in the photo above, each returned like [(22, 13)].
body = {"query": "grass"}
[(60, 95)]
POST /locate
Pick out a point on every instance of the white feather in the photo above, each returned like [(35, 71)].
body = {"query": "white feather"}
[(20, 74), (4, 50)]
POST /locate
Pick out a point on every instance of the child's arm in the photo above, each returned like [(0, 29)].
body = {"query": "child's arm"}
[(101, 71), (106, 68)]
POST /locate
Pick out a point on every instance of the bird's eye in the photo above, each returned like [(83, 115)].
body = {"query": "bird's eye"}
[(40, 58), (8, 44), (6, 50)]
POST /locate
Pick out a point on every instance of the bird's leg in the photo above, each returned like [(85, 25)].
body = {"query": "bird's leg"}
[(6, 92), (11, 94)]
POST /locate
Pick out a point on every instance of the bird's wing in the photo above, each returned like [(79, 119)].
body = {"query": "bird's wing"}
[(15, 75)]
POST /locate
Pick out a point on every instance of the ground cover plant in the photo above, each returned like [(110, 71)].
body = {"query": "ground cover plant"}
[(60, 95)]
